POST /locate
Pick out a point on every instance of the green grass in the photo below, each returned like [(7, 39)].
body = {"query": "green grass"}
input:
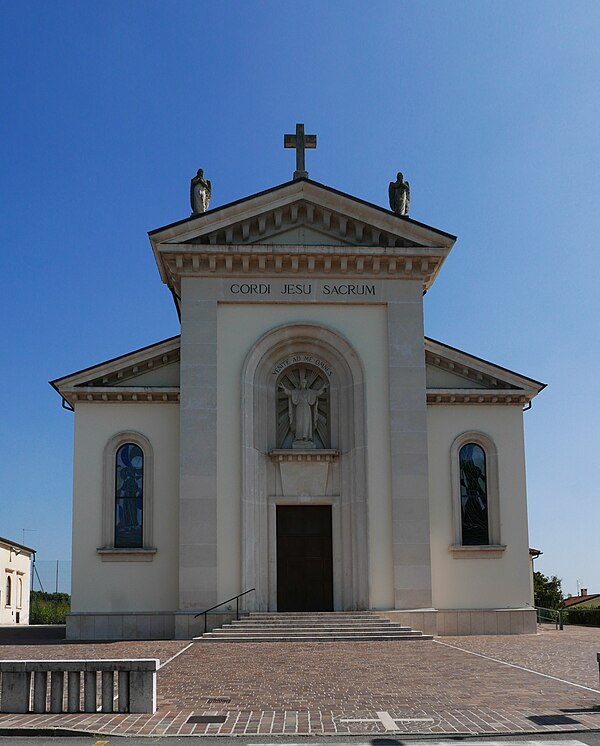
[(49, 608)]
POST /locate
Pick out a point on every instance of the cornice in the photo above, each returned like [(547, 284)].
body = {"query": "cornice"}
[(466, 369), (238, 260), (164, 394), (130, 394), (299, 191), (124, 367), (482, 371), (479, 396)]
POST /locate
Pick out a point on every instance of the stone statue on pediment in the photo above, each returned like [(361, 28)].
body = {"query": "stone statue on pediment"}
[(200, 190), (303, 412), (399, 193)]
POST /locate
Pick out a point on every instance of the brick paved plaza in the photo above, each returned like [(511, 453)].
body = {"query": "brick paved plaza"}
[(444, 686)]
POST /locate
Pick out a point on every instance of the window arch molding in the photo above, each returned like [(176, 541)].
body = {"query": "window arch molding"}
[(108, 500), (494, 548)]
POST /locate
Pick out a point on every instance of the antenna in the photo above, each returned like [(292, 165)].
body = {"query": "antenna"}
[(27, 529)]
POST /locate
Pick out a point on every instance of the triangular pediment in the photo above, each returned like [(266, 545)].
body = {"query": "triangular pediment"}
[(449, 370), (148, 374), (312, 212), (298, 233)]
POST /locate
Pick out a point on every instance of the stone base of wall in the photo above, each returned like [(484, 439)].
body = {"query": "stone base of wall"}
[(157, 625), (448, 622), (182, 625), (424, 620), (487, 622)]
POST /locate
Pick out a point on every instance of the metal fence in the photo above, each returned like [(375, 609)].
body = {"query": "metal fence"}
[(52, 576), (577, 617)]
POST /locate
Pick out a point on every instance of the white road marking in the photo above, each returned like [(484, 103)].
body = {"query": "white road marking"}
[(514, 742), (521, 668), (388, 722), (172, 658)]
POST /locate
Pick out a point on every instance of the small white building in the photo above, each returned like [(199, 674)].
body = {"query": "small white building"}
[(15, 563), (301, 436)]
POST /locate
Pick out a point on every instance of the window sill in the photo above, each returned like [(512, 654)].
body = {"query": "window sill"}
[(113, 554), (488, 551)]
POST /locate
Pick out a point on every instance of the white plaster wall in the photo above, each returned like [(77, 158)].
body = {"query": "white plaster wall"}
[(17, 566), (238, 327), (479, 583), (125, 586)]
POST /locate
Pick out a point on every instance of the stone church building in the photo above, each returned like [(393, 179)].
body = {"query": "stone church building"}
[(300, 437)]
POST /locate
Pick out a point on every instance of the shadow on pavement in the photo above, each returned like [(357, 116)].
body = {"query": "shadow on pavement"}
[(37, 634)]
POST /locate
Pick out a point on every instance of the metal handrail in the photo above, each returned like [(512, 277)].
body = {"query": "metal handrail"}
[(558, 619), (233, 598)]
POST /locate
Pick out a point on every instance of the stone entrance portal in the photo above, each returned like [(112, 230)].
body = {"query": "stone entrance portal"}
[(303, 440), (304, 558)]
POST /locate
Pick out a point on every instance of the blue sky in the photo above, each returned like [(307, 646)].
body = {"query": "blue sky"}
[(490, 109)]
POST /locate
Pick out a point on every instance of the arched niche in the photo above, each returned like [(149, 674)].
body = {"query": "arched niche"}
[(347, 490)]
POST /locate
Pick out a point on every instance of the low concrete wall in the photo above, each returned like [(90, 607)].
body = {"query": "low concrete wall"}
[(23, 682)]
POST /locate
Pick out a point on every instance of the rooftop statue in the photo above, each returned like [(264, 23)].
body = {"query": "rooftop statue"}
[(199, 193), (399, 192)]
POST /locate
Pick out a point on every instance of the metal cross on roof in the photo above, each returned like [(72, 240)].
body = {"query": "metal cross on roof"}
[(300, 141)]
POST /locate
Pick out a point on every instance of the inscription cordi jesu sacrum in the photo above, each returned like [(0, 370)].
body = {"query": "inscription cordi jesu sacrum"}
[(302, 407), (266, 289)]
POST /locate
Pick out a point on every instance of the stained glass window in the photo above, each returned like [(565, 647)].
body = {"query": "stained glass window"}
[(129, 495), (473, 495)]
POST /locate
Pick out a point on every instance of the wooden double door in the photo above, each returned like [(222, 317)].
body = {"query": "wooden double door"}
[(304, 558)]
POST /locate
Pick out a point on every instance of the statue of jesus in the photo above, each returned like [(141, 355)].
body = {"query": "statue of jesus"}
[(303, 411)]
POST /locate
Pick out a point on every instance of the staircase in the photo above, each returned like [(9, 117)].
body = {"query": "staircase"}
[(325, 626)]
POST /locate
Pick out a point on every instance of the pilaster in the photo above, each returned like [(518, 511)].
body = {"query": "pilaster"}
[(408, 442), (198, 449)]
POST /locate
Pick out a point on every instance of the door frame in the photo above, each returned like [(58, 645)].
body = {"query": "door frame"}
[(336, 536)]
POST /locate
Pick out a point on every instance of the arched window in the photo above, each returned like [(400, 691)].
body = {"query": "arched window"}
[(129, 496), (8, 590), (127, 499), (473, 495), (20, 595)]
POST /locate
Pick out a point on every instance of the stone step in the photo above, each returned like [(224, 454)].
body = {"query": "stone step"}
[(300, 631), (314, 618), (326, 626), (366, 637), (318, 622), (283, 614), (320, 627)]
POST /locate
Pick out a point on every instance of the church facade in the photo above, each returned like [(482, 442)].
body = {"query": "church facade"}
[(301, 437)]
